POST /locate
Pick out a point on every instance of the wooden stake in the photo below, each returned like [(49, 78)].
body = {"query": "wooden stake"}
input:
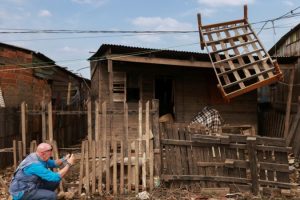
[(44, 124), (151, 166), (97, 122), (115, 186), (87, 167), (122, 168), (100, 145), (23, 120), (147, 124), (140, 125), (15, 154), (156, 134), (129, 166), (89, 108), (104, 125), (69, 93), (81, 167), (50, 124), (93, 167), (107, 166), (136, 166), (125, 138)]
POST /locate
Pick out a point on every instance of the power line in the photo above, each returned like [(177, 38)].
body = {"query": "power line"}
[(48, 65)]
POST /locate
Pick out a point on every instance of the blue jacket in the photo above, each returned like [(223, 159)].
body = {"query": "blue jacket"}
[(29, 175)]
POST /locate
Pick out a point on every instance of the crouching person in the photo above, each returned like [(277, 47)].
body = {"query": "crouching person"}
[(34, 180)]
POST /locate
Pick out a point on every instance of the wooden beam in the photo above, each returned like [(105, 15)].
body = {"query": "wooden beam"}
[(288, 103), (50, 122), (294, 126), (251, 144), (161, 61)]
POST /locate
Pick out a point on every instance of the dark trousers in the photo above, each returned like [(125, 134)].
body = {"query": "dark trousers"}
[(44, 192)]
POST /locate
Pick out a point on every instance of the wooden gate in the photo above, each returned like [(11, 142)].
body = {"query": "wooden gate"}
[(241, 162)]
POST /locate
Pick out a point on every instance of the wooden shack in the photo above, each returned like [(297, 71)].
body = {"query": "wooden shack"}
[(286, 95), (183, 82), (26, 75), (34, 79)]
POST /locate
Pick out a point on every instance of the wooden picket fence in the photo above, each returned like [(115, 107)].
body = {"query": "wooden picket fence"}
[(106, 167), (243, 163)]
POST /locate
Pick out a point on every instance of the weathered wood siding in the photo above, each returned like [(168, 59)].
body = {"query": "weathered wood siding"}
[(194, 88)]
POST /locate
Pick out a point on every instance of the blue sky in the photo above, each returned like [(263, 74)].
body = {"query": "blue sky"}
[(72, 50)]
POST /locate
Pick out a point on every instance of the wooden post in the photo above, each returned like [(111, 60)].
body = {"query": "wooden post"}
[(15, 154), (147, 126), (245, 12), (125, 138), (97, 122), (288, 103), (144, 171), (129, 166), (69, 93), (107, 166), (50, 124), (23, 120), (81, 167), (100, 145), (93, 166), (20, 151), (89, 117), (110, 81), (251, 147), (115, 186), (122, 168), (44, 124), (199, 27), (104, 126), (151, 170), (87, 167), (156, 134), (294, 126), (140, 125), (136, 166)]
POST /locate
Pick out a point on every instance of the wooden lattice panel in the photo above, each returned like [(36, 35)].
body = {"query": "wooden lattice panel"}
[(239, 59)]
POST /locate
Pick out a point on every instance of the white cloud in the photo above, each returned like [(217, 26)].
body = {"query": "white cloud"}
[(289, 3), (161, 24), (95, 2), (218, 3), (45, 13), (69, 49)]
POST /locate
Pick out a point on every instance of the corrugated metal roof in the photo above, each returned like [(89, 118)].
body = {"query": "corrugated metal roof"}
[(44, 73), (283, 39), (163, 53), (140, 51)]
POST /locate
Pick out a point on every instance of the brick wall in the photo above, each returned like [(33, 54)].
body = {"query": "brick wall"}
[(17, 81)]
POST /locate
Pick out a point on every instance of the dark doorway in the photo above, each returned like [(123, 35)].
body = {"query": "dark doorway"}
[(164, 92)]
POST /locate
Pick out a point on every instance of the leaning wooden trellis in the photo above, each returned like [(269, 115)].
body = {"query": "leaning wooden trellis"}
[(239, 59)]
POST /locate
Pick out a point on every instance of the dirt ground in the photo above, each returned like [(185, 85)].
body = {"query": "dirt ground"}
[(164, 192)]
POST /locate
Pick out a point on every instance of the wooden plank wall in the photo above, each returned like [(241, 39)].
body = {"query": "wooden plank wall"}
[(9, 130), (272, 124), (219, 161)]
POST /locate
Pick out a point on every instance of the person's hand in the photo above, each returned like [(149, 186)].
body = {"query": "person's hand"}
[(67, 156), (71, 159)]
